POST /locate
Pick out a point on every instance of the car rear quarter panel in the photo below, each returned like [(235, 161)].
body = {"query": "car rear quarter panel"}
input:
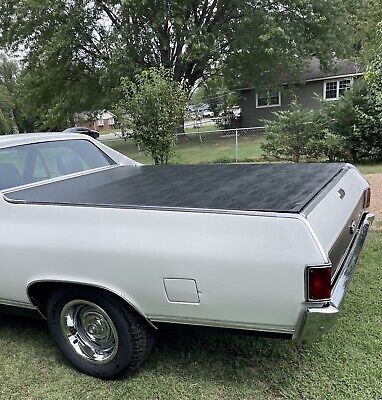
[(249, 270), (329, 217)]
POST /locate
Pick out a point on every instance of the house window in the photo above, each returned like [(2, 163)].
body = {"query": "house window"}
[(268, 98), (334, 89)]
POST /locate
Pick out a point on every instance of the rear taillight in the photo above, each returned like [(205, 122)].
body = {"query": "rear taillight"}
[(319, 283), (367, 198)]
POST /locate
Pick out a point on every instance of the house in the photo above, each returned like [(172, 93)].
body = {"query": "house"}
[(103, 121), (261, 104)]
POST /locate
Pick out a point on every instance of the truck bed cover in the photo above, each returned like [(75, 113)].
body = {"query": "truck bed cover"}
[(243, 187)]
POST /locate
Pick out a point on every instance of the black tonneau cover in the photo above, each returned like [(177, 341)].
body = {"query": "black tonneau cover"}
[(243, 187)]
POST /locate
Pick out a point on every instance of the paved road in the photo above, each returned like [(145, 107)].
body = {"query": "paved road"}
[(108, 136)]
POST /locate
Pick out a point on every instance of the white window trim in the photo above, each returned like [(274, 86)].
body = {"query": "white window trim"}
[(338, 87), (268, 105)]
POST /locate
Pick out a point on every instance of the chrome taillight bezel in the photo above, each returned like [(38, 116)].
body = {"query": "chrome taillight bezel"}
[(327, 269)]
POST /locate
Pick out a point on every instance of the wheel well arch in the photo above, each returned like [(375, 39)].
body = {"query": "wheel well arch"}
[(39, 291)]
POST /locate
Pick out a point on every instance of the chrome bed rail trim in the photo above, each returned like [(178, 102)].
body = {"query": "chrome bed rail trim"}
[(57, 179), (315, 321)]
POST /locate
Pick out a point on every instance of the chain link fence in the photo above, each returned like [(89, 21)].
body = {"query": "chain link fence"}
[(210, 146), (226, 145)]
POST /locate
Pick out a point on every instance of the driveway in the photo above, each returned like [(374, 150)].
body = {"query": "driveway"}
[(375, 181)]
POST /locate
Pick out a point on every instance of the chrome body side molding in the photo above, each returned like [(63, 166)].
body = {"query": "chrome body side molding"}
[(18, 304), (223, 324)]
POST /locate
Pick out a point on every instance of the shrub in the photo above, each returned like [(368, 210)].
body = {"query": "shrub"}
[(153, 107), (293, 136), (229, 121), (355, 120), (349, 129)]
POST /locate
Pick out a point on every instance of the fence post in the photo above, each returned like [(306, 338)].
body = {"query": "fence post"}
[(236, 145)]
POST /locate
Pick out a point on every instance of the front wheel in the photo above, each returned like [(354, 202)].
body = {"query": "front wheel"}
[(96, 332)]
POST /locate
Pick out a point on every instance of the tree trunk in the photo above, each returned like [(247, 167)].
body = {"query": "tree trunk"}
[(15, 127)]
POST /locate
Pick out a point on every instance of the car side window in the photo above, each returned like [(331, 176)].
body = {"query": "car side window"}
[(40, 170), (70, 156), (35, 162), (12, 164)]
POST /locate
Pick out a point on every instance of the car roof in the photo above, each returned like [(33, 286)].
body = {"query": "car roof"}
[(76, 129), (26, 138)]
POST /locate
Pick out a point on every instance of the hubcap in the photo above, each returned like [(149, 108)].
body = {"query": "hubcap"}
[(89, 331)]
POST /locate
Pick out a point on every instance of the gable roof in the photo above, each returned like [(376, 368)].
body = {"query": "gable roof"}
[(340, 68), (313, 72)]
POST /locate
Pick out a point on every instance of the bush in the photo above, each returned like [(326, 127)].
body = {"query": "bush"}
[(154, 108), (229, 121), (349, 129), (293, 136), (356, 121)]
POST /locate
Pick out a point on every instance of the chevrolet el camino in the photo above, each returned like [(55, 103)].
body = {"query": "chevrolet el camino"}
[(107, 250)]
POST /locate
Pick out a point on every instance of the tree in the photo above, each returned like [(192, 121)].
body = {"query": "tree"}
[(8, 92), (5, 125), (216, 94), (153, 106), (77, 51), (367, 23)]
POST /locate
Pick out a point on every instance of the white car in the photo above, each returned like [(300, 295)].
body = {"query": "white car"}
[(107, 249), (208, 114)]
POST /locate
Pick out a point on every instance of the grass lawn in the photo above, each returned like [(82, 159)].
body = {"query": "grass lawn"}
[(200, 129), (370, 168), (196, 152), (195, 364)]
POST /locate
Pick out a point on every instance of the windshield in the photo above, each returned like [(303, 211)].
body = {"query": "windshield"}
[(24, 164)]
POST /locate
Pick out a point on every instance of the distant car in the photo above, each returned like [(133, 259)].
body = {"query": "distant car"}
[(208, 114), (85, 131)]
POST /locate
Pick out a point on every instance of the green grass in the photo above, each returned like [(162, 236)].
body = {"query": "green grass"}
[(212, 151), (370, 168), (198, 150), (200, 129), (199, 364)]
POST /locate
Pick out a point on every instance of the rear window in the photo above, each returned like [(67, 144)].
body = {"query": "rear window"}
[(35, 162)]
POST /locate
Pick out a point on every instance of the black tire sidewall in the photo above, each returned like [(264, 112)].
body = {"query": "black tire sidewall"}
[(116, 313)]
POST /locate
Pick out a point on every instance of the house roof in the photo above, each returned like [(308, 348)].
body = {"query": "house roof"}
[(340, 68), (314, 72)]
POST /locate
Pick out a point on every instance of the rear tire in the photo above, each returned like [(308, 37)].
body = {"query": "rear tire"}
[(96, 332)]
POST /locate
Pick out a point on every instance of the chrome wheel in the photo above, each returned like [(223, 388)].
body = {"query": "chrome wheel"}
[(89, 331)]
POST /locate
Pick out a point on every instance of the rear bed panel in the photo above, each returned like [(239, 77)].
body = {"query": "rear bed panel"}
[(336, 217)]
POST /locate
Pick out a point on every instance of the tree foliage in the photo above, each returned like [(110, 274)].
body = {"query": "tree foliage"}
[(357, 119), (216, 94), (77, 51), (349, 129), (8, 92), (5, 125), (153, 107), (367, 24)]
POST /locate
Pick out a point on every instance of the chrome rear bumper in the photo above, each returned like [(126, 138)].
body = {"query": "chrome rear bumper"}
[(316, 321)]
